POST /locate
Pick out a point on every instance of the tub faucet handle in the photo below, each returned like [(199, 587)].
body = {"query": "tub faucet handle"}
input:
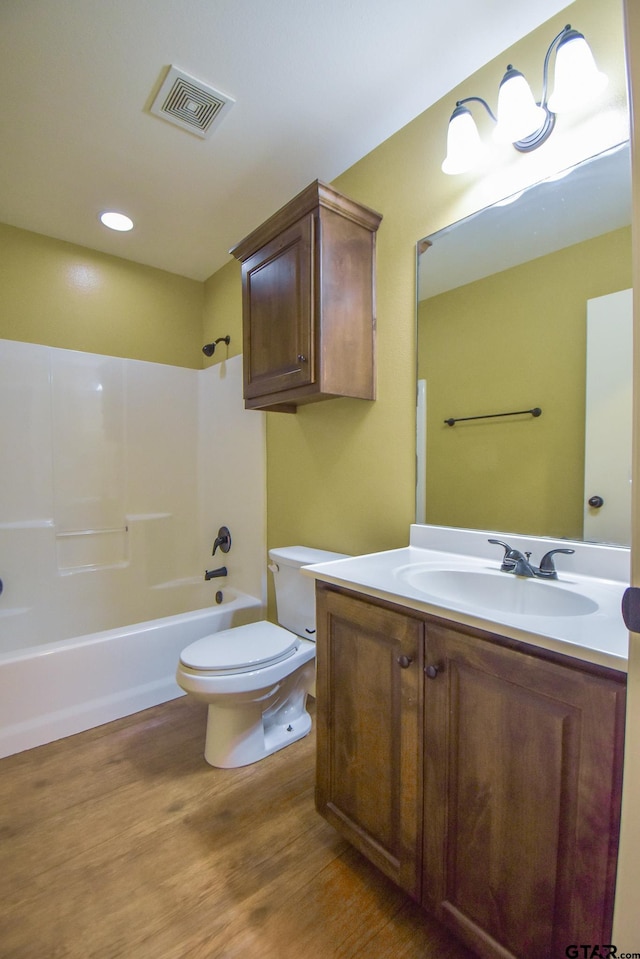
[(223, 540)]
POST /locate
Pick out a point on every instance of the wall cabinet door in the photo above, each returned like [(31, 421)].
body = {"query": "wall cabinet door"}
[(369, 708), (278, 312), (522, 796)]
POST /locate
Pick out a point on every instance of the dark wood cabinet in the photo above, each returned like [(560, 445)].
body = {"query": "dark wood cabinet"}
[(522, 796), (513, 757), (308, 302), (369, 731)]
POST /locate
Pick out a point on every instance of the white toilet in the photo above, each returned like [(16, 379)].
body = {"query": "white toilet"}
[(256, 678)]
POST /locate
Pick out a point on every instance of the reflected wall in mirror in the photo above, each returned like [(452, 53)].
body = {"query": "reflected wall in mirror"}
[(503, 299)]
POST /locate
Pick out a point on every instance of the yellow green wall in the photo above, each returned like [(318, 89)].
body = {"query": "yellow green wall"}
[(514, 340), (223, 312), (58, 294), (341, 474)]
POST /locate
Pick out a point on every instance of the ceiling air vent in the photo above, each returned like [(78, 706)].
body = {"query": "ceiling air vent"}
[(190, 104)]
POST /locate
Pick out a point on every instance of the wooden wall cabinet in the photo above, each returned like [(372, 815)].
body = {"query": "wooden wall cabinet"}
[(308, 302), (482, 775)]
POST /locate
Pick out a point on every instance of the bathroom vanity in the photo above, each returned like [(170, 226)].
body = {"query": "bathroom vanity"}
[(474, 753)]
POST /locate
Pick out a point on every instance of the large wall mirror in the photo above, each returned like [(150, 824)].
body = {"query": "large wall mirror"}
[(526, 305)]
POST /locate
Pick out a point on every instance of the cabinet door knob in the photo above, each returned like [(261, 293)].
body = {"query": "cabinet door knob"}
[(302, 358), (432, 671), (404, 661)]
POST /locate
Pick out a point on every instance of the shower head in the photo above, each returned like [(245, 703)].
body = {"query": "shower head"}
[(209, 348)]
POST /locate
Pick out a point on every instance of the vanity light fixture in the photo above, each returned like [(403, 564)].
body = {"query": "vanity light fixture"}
[(520, 119), (116, 221)]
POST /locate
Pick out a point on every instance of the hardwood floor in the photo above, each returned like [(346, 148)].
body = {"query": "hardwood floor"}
[(123, 842)]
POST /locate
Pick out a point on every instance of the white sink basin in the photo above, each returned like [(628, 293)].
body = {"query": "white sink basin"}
[(499, 591), (576, 615)]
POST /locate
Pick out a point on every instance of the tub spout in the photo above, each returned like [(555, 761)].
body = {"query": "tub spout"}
[(214, 573)]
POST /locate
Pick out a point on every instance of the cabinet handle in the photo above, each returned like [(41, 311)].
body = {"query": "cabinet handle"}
[(302, 358), (432, 671), (404, 662)]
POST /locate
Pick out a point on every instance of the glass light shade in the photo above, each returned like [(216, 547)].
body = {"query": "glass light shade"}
[(577, 78), (464, 146), (519, 116), (116, 221)]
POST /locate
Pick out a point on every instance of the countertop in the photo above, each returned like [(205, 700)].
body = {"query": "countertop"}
[(599, 637)]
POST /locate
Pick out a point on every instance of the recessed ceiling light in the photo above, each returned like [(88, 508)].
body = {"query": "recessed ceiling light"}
[(116, 221)]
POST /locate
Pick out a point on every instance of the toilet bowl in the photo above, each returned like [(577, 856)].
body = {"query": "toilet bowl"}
[(256, 678)]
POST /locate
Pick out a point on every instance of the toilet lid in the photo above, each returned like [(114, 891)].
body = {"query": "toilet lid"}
[(240, 649)]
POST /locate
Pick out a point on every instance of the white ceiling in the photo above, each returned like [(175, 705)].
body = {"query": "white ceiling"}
[(317, 85)]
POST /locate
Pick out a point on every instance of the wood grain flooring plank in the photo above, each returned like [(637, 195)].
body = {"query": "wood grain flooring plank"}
[(123, 843)]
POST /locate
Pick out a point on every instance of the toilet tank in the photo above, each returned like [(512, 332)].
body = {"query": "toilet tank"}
[(295, 592)]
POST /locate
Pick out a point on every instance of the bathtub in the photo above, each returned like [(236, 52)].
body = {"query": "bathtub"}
[(59, 688)]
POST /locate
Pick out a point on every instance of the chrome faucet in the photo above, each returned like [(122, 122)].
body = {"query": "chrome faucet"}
[(518, 563)]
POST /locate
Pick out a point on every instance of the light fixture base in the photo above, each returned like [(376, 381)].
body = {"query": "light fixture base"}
[(538, 137)]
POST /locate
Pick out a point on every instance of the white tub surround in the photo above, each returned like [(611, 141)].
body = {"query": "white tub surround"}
[(116, 475), (57, 689), (598, 574)]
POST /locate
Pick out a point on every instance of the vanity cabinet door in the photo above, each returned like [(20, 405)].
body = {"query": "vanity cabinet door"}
[(522, 796), (369, 712)]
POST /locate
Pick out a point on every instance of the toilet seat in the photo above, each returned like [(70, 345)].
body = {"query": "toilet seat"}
[(240, 649)]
